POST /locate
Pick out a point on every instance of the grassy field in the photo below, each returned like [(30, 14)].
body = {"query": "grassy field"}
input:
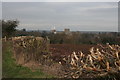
[(13, 70)]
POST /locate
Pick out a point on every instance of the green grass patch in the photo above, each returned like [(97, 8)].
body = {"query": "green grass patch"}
[(13, 70)]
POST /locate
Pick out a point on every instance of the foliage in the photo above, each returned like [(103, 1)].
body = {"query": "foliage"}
[(76, 37), (84, 38), (9, 27)]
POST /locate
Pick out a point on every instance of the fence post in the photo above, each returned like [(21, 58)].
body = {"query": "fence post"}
[(5, 38), (48, 43)]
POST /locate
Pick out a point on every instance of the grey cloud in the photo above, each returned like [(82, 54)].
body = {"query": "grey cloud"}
[(89, 15)]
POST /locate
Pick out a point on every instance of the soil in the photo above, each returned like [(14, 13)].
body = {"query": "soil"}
[(58, 52), (68, 48), (62, 50)]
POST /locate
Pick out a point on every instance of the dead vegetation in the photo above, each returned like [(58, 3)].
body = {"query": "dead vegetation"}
[(100, 62), (33, 52), (29, 48)]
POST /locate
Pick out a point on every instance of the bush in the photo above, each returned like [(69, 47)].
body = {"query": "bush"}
[(29, 48)]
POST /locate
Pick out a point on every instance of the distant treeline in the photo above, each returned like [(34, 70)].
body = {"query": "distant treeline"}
[(9, 30), (75, 37)]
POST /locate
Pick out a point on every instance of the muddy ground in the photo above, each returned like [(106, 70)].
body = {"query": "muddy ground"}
[(62, 50)]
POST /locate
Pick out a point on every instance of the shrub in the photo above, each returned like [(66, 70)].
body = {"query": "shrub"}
[(29, 48)]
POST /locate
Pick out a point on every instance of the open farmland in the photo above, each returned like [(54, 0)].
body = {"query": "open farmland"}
[(88, 61), (62, 50), (66, 49), (66, 60)]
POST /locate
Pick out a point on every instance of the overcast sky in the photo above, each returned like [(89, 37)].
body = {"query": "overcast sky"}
[(78, 16)]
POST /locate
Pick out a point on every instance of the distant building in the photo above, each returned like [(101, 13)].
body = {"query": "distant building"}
[(67, 31), (54, 30)]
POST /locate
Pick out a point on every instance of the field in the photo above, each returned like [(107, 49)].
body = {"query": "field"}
[(60, 50), (68, 48), (35, 57), (64, 53)]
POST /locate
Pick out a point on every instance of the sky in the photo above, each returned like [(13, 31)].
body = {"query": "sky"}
[(59, 0), (77, 16)]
